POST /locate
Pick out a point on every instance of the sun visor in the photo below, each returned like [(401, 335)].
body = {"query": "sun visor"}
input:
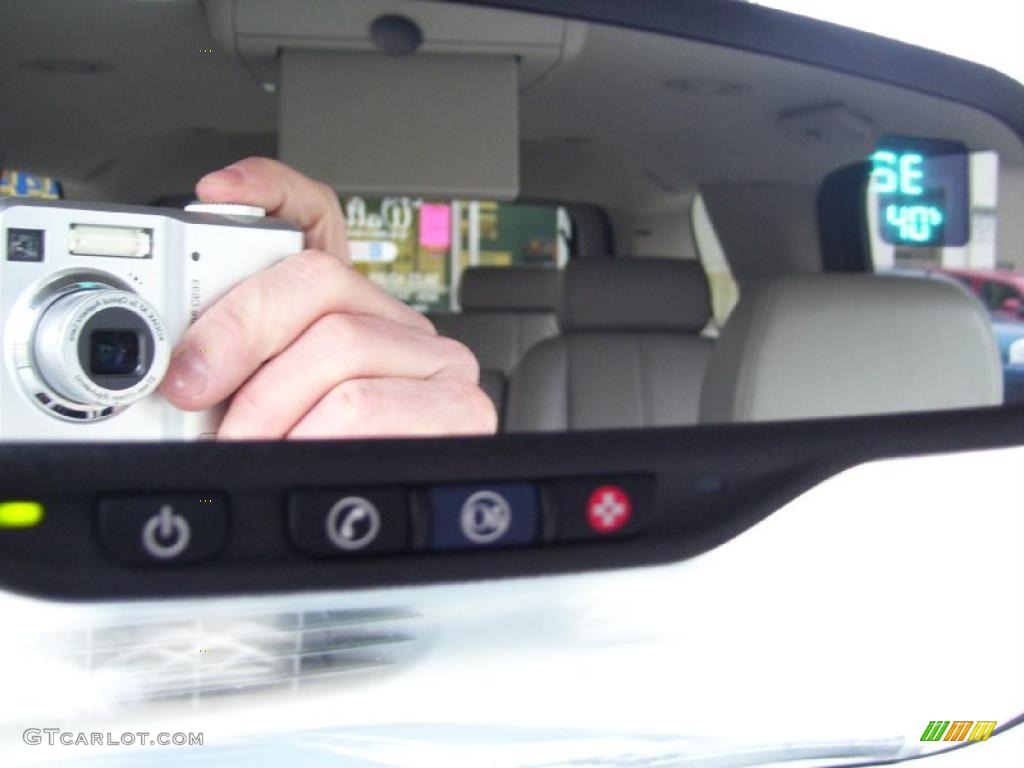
[(443, 125)]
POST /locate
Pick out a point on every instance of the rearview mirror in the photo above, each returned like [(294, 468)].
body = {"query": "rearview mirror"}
[(679, 323)]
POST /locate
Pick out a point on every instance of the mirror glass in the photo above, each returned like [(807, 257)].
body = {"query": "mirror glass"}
[(701, 234)]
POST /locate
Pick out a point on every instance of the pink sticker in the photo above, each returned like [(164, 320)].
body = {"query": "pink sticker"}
[(435, 225)]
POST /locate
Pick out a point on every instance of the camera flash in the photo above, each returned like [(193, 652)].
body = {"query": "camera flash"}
[(123, 242)]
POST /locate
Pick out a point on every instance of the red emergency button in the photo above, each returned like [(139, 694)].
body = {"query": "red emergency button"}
[(608, 509)]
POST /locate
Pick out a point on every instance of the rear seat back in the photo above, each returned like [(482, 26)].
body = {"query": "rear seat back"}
[(630, 352), (817, 346), (505, 311)]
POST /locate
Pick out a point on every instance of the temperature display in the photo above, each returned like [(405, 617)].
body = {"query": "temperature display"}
[(922, 191)]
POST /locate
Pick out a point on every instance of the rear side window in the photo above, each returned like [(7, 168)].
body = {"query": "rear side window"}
[(987, 259), (416, 249), (995, 295)]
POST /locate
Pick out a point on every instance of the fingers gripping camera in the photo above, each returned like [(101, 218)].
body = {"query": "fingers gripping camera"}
[(94, 297)]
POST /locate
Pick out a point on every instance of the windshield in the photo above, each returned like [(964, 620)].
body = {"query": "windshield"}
[(941, 27)]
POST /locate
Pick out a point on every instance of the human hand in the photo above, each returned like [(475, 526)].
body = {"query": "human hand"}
[(312, 349)]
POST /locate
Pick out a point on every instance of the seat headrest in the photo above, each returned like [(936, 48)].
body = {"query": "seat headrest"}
[(635, 294), (510, 289), (843, 345)]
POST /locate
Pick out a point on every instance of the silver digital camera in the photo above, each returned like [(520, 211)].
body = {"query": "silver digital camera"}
[(93, 298)]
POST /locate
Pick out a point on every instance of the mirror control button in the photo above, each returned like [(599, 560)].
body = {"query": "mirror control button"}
[(603, 507), (348, 521), (471, 516), (153, 529)]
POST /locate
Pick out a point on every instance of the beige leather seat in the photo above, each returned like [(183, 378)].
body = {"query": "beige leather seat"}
[(505, 311), (839, 345), (629, 353)]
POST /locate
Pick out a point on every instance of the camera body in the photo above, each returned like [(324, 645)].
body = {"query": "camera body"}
[(93, 298)]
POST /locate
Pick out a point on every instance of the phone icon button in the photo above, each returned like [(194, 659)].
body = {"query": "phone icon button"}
[(353, 523)]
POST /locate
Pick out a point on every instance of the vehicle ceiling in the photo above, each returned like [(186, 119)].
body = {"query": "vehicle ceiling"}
[(629, 122)]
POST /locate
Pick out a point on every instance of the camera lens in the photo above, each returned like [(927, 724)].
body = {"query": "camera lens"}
[(113, 353), (100, 346)]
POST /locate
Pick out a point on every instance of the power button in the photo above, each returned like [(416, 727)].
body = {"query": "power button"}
[(163, 529), (166, 534)]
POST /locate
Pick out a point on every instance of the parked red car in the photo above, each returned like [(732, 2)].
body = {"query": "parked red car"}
[(1002, 292)]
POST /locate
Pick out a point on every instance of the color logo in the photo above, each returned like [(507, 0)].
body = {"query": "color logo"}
[(958, 730)]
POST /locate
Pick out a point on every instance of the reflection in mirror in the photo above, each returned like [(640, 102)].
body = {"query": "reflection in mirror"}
[(676, 254), (956, 227)]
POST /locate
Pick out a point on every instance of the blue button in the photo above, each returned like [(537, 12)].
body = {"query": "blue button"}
[(470, 516)]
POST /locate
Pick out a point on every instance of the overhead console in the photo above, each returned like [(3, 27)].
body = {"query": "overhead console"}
[(403, 97)]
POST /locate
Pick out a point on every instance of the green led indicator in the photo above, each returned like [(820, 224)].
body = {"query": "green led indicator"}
[(20, 514)]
